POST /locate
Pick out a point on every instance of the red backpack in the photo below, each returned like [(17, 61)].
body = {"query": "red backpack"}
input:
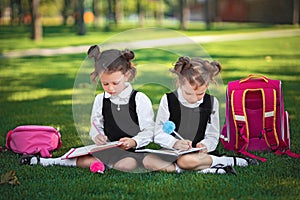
[(255, 117)]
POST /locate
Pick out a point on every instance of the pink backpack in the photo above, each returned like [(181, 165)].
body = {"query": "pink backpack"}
[(255, 117), (33, 139)]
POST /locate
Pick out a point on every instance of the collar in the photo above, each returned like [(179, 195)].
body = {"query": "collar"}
[(185, 102), (123, 96)]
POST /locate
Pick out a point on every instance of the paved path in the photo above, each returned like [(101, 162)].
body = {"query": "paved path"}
[(156, 43)]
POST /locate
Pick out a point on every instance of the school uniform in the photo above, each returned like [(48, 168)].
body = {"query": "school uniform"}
[(198, 122), (129, 114)]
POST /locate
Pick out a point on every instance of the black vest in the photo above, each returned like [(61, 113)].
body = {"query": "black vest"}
[(120, 123), (190, 122)]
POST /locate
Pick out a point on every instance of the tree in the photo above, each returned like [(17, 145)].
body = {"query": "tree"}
[(296, 13), (184, 14), (109, 15), (140, 12), (207, 15), (119, 14), (65, 11), (81, 29), (36, 24), (159, 11)]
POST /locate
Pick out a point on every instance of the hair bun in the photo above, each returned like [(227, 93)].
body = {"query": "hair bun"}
[(218, 65), (94, 52), (185, 61), (128, 54)]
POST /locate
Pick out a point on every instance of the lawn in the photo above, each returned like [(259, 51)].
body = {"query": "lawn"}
[(39, 90), (18, 37)]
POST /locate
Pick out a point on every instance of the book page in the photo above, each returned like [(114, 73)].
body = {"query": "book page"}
[(181, 152), (94, 148), (80, 151), (170, 151)]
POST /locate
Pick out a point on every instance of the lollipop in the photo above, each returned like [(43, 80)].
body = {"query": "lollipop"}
[(97, 167), (169, 128)]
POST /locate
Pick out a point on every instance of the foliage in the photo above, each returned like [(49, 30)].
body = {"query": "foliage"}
[(50, 8), (17, 37), (38, 90)]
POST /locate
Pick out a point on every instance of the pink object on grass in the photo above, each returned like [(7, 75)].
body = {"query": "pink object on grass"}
[(97, 167), (34, 139), (256, 119)]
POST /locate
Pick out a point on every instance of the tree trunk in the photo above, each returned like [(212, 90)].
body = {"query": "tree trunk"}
[(65, 11), (97, 12), (20, 12), (159, 12), (296, 13), (207, 15), (109, 15), (119, 13), (36, 24), (14, 12), (81, 24), (140, 12), (184, 14)]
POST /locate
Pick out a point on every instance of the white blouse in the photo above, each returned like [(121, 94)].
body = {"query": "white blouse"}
[(143, 108), (211, 137)]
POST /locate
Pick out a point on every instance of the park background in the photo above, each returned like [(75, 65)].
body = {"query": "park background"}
[(37, 87)]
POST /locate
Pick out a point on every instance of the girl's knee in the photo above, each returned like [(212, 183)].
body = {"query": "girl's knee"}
[(126, 164), (187, 162), (153, 162), (85, 161), (149, 162)]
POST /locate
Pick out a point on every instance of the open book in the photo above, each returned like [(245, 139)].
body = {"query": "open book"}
[(171, 152), (85, 150)]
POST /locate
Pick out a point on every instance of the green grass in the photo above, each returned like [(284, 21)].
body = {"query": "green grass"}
[(38, 90), (18, 37)]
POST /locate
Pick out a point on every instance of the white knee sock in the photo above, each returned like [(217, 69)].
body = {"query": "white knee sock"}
[(53, 161), (178, 170), (212, 171), (228, 161)]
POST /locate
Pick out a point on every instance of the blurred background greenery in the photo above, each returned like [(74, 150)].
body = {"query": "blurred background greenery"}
[(106, 15), (38, 89)]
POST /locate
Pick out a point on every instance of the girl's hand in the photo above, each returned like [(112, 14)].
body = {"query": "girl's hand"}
[(200, 145), (127, 143), (183, 144), (100, 139)]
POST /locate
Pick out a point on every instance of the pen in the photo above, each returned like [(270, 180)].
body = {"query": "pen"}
[(93, 123), (101, 134)]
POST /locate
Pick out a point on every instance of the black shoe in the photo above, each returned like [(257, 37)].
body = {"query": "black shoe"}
[(251, 161), (228, 169), (26, 159)]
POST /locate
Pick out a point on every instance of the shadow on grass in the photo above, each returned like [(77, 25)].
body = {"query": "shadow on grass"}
[(56, 76)]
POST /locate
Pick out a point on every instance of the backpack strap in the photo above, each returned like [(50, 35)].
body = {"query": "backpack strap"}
[(269, 115), (238, 105), (239, 119), (8, 139)]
